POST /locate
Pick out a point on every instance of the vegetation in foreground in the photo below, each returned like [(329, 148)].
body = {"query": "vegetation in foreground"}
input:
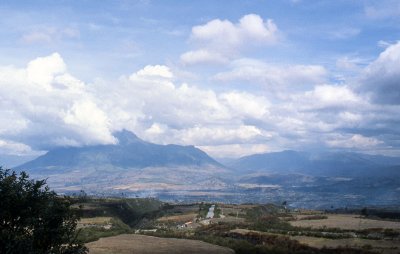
[(37, 220), (250, 228), (34, 219)]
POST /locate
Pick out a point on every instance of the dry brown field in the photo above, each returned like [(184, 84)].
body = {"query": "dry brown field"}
[(140, 244), (346, 221), (380, 246), (95, 221), (178, 218)]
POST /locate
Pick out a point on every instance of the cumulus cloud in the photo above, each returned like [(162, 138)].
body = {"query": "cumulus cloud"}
[(49, 106), (274, 76), (170, 113), (42, 105), (222, 135), (328, 96), (155, 71), (14, 148), (380, 79), (219, 40)]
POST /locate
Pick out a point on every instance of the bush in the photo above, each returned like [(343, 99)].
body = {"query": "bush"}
[(34, 219)]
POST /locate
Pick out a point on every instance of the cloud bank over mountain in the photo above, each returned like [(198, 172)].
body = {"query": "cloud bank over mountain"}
[(231, 85)]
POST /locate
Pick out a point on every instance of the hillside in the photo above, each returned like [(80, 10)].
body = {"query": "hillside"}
[(334, 164), (131, 165), (130, 152)]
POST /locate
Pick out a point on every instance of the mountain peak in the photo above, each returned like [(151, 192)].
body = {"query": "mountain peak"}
[(126, 137), (130, 152)]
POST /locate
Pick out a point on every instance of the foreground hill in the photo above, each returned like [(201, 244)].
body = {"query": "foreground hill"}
[(142, 244)]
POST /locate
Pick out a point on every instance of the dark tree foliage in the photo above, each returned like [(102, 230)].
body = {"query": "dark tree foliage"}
[(34, 219)]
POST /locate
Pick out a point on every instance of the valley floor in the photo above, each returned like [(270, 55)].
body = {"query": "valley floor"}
[(149, 226)]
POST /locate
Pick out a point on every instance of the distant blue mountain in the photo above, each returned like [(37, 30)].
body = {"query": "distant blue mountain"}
[(346, 164), (130, 152)]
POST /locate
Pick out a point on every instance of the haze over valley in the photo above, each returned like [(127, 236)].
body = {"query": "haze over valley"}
[(133, 167)]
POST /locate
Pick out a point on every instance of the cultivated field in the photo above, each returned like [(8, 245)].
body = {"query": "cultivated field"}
[(178, 218), (140, 244), (347, 221), (380, 246)]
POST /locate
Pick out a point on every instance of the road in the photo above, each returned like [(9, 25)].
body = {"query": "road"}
[(210, 213)]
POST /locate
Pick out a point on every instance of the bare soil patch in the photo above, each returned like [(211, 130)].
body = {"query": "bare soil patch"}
[(178, 218), (140, 244), (346, 221), (381, 246)]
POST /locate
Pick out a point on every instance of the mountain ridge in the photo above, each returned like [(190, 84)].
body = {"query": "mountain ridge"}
[(316, 164), (129, 152)]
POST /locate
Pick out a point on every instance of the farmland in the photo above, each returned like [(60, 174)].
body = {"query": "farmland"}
[(113, 225), (346, 221), (132, 243)]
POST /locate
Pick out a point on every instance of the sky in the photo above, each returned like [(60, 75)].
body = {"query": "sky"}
[(231, 77)]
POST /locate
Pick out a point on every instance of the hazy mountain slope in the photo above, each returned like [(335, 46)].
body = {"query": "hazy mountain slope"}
[(317, 164), (130, 152), (8, 161), (132, 165)]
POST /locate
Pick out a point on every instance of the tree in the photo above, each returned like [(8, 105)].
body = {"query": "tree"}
[(34, 219)]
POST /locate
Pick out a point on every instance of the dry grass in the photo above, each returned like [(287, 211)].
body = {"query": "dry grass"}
[(346, 221), (381, 246), (140, 244), (95, 220), (104, 222), (178, 218)]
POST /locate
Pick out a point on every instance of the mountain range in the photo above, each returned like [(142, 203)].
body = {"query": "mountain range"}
[(185, 172), (333, 164), (130, 152)]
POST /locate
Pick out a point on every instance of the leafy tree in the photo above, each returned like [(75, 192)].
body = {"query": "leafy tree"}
[(34, 219)]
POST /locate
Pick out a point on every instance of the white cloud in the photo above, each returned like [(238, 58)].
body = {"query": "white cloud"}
[(203, 56), (245, 104), (159, 71), (347, 63), (164, 112), (48, 105), (345, 33), (42, 70), (331, 96), (221, 135), (380, 79), (47, 35), (354, 141), (274, 76), (36, 37), (220, 40), (223, 33), (43, 105), (14, 148), (383, 9), (89, 121)]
